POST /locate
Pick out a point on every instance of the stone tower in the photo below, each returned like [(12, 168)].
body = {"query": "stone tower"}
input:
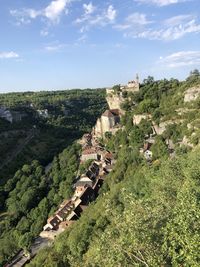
[(137, 79)]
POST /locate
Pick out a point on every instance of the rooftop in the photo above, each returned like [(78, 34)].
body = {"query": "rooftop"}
[(89, 150), (107, 113)]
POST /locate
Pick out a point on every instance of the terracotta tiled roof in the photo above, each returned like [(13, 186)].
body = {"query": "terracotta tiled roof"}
[(109, 155), (115, 112), (88, 151), (107, 113)]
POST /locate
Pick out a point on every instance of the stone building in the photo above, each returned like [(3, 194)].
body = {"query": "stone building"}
[(108, 122), (89, 153), (132, 86)]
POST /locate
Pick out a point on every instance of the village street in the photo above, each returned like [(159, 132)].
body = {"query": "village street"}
[(21, 259)]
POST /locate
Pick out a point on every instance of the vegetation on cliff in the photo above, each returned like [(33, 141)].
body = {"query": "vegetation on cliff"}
[(28, 193), (70, 114), (147, 213)]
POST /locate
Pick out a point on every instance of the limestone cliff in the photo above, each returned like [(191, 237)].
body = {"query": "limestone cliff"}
[(114, 101), (192, 94), (115, 97)]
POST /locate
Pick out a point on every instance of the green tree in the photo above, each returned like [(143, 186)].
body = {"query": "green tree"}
[(159, 148)]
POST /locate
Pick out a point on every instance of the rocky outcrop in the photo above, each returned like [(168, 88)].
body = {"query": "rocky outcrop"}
[(159, 129), (139, 117), (114, 101), (192, 94)]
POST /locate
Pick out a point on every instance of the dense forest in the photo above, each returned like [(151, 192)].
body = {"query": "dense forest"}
[(70, 114), (29, 190), (148, 211)]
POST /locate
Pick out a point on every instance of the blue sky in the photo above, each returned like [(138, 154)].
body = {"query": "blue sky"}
[(61, 44)]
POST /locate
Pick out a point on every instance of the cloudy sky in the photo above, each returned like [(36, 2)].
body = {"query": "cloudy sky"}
[(60, 44)]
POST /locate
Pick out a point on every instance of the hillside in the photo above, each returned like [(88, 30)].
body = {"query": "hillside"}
[(30, 188), (51, 132), (148, 210)]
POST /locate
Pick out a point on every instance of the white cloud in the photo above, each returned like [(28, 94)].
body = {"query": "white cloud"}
[(133, 21), (180, 19), (89, 8), (138, 26), (25, 12), (170, 33), (55, 47), (160, 2), (7, 55), (111, 13), (52, 12), (181, 59), (81, 40), (103, 18), (44, 33)]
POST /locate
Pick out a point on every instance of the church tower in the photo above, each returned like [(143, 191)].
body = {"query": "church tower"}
[(137, 79)]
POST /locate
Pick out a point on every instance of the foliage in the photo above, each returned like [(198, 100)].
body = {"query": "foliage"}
[(159, 148), (147, 214), (65, 123), (150, 217), (32, 196)]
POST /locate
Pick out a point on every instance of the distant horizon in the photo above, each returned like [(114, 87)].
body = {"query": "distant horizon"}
[(78, 44), (91, 88)]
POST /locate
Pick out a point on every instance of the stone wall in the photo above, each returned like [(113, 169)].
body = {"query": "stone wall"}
[(132, 87)]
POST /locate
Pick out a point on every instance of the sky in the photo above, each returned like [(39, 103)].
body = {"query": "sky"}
[(63, 44)]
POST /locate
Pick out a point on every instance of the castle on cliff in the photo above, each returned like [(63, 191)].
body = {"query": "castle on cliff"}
[(116, 97), (110, 119)]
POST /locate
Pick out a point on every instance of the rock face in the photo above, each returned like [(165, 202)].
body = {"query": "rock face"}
[(159, 129), (192, 94), (110, 119), (139, 117), (114, 101)]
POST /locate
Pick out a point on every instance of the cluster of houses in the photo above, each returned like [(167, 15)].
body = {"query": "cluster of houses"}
[(86, 187), (156, 130)]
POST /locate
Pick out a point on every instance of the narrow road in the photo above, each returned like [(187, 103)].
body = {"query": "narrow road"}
[(20, 259)]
